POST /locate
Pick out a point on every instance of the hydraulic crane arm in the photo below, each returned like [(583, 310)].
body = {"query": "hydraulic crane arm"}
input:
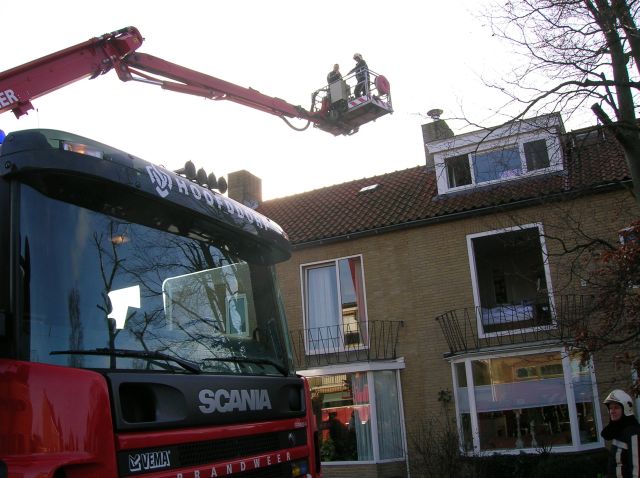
[(117, 50), (185, 80), (22, 84)]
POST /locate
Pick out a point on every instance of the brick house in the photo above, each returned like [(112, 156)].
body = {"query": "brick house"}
[(444, 290)]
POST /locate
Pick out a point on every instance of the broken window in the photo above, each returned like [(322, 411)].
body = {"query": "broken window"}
[(510, 283)]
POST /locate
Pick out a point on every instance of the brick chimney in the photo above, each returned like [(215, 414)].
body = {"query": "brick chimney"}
[(436, 130), (245, 188)]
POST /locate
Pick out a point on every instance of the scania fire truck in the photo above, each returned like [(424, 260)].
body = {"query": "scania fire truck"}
[(141, 328)]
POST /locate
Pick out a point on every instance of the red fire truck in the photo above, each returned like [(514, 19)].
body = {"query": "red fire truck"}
[(141, 330), (141, 327)]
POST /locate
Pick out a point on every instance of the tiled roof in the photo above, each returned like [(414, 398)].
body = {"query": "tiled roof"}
[(401, 198)]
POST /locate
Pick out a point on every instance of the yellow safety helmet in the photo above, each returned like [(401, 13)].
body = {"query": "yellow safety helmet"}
[(623, 398)]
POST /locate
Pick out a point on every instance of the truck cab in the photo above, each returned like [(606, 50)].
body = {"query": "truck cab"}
[(141, 327)]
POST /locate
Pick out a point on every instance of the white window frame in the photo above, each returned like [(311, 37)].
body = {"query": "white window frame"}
[(304, 295), (476, 287), (369, 369), (478, 142), (566, 367)]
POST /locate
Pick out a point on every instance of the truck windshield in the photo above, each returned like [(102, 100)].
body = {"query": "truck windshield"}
[(104, 293)]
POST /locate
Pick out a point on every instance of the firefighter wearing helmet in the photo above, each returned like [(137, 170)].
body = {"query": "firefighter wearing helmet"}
[(362, 75), (623, 431)]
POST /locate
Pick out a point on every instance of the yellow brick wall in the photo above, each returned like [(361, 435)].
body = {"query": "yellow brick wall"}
[(416, 274)]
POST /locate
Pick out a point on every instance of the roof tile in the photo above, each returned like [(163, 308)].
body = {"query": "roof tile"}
[(592, 158)]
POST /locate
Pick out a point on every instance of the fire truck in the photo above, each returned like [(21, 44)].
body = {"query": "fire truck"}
[(141, 328)]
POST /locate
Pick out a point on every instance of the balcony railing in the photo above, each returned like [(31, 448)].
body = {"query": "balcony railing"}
[(320, 346), (475, 328)]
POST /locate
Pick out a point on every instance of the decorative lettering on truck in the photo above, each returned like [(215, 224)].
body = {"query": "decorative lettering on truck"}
[(255, 463), (224, 401), (7, 98), (153, 460), (164, 186)]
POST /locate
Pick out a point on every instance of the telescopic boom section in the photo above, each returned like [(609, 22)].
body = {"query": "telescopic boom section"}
[(116, 50), (20, 85), (185, 80)]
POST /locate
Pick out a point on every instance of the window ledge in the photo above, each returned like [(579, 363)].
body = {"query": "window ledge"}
[(557, 449)]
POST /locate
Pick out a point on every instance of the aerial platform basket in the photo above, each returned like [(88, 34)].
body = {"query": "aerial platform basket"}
[(343, 112)]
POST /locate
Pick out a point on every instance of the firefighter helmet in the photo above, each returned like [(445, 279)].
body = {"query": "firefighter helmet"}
[(623, 399)]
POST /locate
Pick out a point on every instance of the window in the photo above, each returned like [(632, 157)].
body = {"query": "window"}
[(510, 279), (335, 312), (526, 402), (371, 187), (515, 149), (536, 154), (115, 284), (488, 161), (358, 415), (458, 171), (498, 164)]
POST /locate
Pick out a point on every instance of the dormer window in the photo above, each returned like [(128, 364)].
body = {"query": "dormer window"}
[(497, 164), (514, 151)]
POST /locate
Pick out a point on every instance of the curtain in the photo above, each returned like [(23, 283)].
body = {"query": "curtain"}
[(355, 267), (362, 419), (322, 308), (388, 414)]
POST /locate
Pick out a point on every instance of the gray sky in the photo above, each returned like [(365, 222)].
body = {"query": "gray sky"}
[(434, 55)]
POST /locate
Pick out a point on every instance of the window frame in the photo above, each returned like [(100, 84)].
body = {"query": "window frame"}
[(370, 369), (476, 286), (570, 396), (304, 295)]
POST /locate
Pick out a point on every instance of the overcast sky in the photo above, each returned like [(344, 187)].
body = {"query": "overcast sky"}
[(434, 55)]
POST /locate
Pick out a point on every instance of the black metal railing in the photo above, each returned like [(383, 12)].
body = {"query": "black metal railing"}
[(319, 346), (476, 328)]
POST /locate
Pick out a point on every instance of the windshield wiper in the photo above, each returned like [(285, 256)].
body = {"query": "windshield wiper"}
[(145, 354), (283, 370)]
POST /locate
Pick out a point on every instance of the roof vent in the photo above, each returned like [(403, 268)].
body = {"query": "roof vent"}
[(368, 188)]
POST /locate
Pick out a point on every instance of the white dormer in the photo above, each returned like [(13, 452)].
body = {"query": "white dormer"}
[(523, 148)]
